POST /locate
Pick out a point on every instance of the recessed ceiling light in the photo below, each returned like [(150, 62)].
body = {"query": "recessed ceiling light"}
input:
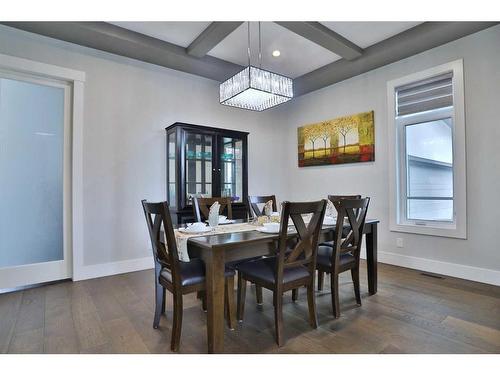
[(276, 53)]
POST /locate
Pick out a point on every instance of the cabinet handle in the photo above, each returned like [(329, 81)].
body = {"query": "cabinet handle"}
[(219, 169)]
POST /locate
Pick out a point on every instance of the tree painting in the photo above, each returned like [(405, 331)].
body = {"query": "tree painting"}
[(312, 134), (347, 139), (344, 126), (325, 132)]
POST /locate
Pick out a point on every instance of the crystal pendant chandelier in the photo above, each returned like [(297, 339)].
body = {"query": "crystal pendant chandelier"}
[(254, 88)]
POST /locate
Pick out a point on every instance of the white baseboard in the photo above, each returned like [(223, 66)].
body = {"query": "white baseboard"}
[(113, 268), (482, 275)]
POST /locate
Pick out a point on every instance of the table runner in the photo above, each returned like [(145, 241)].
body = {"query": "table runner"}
[(182, 238)]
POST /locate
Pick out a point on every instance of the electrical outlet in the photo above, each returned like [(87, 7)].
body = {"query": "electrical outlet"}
[(399, 242)]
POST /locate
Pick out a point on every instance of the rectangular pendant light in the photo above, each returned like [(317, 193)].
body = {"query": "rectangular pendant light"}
[(256, 89)]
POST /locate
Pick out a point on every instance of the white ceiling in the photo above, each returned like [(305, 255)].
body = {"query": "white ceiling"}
[(180, 33), (365, 34), (298, 55)]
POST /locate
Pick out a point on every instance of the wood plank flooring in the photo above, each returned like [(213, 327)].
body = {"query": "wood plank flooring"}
[(411, 313)]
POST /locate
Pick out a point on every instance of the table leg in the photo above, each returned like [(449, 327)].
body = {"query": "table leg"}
[(371, 258), (214, 268)]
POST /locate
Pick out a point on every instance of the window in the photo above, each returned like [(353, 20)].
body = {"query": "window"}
[(427, 138)]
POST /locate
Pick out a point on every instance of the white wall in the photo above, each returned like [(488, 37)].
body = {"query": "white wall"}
[(481, 55), (127, 106)]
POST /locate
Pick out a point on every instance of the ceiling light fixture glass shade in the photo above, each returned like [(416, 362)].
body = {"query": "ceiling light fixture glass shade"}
[(256, 89)]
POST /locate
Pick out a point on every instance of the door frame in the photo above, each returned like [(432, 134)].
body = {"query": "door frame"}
[(73, 166)]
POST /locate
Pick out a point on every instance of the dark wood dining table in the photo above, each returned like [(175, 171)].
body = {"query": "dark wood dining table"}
[(217, 250)]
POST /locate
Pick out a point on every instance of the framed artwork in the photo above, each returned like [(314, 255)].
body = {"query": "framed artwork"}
[(347, 139)]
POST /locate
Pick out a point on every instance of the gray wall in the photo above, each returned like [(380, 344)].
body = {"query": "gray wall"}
[(127, 106), (481, 55)]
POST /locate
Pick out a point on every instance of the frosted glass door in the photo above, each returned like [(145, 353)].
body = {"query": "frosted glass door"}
[(32, 175)]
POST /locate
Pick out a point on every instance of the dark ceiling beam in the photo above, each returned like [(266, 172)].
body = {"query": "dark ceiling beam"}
[(210, 37), (120, 41), (326, 38), (117, 40), (408, 43)]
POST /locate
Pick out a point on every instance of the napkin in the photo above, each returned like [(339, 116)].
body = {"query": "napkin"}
[(268, 208), (213, 214), (330, 209)]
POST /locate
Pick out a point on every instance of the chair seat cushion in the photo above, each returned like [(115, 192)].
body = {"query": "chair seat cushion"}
[(328, 243), (264, 269), (192, 272), (325, 256)]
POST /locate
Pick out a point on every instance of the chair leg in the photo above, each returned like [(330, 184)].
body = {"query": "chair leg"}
[(204, 301), (334, 282), (278, 317), (242, 289), (258, 294), (164, 303), (177, 324), (355, 280), (321, 278), (229, 297), (311, 301), (159, 301), (295, 294)]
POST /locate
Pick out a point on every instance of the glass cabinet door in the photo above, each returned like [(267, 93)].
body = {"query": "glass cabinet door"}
[(198, 162), (171, 171), (231, 168)]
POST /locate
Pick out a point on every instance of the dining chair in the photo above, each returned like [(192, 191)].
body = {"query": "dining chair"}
[(179, 278), (201, 207), (253, 204), (332, 198), (344, 255), (288, 269), (255, 211)]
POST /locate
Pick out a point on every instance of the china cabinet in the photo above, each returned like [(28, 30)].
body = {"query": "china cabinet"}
[(205, 162)]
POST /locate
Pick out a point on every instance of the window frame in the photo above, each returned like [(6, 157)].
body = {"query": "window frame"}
[(398, 221)]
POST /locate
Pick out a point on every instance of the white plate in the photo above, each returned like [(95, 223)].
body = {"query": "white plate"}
[(227, 222), (265, 230), (224, 222), (191, 231)]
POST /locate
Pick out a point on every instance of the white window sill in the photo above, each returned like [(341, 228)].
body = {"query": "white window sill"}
[(441, 231)]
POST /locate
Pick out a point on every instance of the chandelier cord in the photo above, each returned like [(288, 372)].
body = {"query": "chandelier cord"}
[(248, 32), (260, 49)]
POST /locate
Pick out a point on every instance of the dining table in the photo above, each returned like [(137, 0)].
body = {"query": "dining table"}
[(218, 249)]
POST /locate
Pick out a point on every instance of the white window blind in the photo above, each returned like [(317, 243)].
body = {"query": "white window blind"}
[(425, 95)]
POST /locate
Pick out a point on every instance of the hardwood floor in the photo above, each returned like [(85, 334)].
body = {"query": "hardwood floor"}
[(411, 313)]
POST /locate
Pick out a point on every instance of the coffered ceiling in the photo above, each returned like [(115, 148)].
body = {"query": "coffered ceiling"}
[(298, 55), (314, 54)]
